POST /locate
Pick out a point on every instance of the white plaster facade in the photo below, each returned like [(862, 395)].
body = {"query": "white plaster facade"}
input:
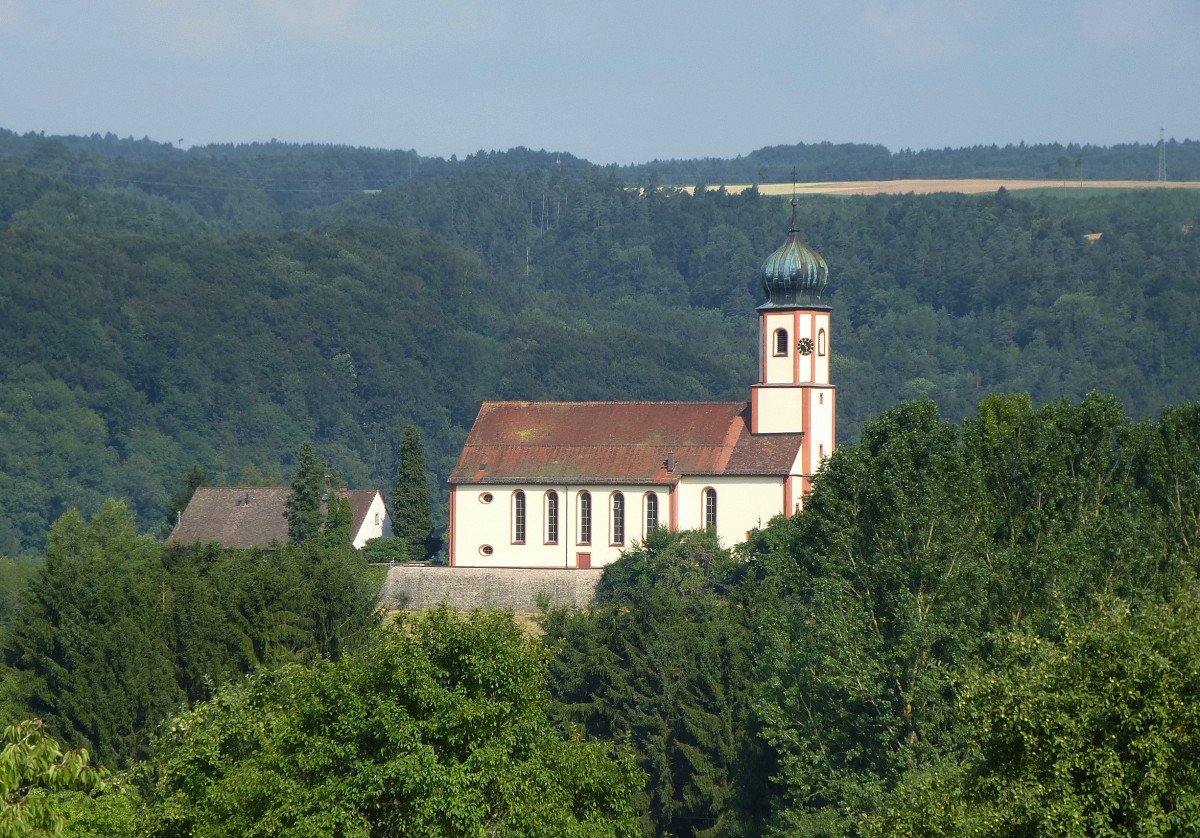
[(485, 516), (376, 522)]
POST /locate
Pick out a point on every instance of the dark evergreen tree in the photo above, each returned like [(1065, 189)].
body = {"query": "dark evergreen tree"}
[(662, 663), (339, 522), (303, 506), (196, 477), (87, 645), (410, 501)]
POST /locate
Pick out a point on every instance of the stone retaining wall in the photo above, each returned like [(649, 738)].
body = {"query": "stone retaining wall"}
[(416, 587)]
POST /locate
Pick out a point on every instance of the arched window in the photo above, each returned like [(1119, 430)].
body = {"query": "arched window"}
[(651, 511), (781, 342), (618, 518), (551, 517), (585, 518), (710, 508), (821, 343), (518, 517)]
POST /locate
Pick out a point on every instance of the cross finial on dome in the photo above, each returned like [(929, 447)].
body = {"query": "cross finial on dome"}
[(792, 228), (795, 275)]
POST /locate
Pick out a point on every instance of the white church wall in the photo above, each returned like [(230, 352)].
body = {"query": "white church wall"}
[(479, 525), (822, 350), (780, 409), (821, 429), (743, 503), (779, 368)]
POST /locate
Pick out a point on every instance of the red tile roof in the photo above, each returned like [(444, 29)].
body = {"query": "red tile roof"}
[(249, 516), (617, 442)]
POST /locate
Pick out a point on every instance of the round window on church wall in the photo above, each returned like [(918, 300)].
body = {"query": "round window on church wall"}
[(486, 549), (486, 497)]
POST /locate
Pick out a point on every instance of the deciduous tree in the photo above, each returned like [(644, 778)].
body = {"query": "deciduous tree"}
[(33, 767), (1093, 732), (438, 729)]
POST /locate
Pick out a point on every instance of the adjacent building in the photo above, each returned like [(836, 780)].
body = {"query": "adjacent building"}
[(253, 516)]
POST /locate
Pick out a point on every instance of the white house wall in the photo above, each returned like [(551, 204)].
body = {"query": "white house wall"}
[(376, 524)]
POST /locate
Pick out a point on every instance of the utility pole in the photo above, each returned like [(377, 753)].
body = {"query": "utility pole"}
[(1162, 156)]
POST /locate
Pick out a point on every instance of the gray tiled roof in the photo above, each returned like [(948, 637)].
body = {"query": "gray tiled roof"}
[(248, 516)]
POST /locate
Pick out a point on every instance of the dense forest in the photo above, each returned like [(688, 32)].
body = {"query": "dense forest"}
[(983, 628), (156, 321)]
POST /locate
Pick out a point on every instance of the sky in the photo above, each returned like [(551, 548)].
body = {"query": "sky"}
[(614, 81)]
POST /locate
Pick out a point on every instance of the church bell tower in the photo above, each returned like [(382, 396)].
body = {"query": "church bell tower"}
[(793, 393)]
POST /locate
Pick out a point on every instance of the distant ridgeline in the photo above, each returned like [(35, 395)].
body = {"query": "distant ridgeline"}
[(821, 162), (218, 306), (313, 174)]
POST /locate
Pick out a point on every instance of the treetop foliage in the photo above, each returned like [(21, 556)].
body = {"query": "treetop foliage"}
[(972, 629), (959, 635), (117, 631), (437, 728), (31, 765), (303, 507)]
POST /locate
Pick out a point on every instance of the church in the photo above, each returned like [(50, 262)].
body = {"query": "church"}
[(572, 484)]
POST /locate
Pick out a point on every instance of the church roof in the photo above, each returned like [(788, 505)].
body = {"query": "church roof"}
[(250, 516), (618, 442)]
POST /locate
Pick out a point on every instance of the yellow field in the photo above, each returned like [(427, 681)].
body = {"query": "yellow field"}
[(966, 185)]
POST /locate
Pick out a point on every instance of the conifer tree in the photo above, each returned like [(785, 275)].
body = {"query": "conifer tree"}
[(339, 521), (410, 501), (196, 477), (86, 647), (303, 506)]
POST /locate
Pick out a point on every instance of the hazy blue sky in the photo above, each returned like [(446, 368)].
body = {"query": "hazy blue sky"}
[(609, 80)]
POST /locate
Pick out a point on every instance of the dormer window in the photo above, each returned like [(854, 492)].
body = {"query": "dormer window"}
[(781, 342)]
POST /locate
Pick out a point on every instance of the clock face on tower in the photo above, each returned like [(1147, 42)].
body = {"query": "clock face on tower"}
[(805, 346)]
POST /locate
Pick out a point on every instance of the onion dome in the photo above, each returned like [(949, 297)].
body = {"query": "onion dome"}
[(795, 274)]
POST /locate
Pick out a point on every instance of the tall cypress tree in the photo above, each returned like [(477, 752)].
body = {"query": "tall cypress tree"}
[(410, 501), (303, 506)]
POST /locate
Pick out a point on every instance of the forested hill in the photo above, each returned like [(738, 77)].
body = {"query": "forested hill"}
[(819, 162), (239, 182), (149, 326)]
